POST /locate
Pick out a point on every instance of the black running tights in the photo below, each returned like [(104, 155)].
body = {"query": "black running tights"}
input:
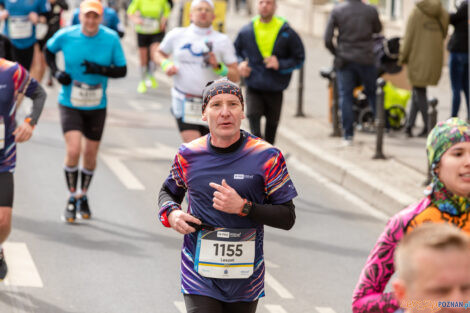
[(204, 304)]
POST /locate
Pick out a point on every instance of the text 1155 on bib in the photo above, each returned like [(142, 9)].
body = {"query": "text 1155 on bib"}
[(225, 253)]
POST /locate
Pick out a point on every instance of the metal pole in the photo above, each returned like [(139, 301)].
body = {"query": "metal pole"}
[(380, 119), (432, 113), (335, 107), (300, 94), (432, 120)]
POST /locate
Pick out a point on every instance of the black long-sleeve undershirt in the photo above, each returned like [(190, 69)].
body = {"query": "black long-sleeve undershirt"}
[(109, 71), (113, 71), (274, 215)]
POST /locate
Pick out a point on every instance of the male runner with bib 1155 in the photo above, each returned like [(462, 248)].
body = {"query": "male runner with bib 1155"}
[(200, 54), (92, 53), (236, 184)]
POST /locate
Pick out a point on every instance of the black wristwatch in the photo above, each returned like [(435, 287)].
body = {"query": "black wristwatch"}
[(247, 205)]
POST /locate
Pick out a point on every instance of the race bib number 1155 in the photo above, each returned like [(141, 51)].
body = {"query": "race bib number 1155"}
[(225, 253)]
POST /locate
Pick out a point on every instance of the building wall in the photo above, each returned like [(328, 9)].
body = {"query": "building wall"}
[(311, 16)]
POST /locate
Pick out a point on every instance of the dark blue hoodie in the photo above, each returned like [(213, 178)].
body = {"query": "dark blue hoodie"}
[(288, 49)]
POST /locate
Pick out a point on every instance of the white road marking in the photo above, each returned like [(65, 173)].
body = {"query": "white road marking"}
[(161, 151), (21, 268), (300, 166), (122, 172), (274, 308), (270, 264), (277, 286), (114, 157), (142, 106), (324, 310), (180, 306)]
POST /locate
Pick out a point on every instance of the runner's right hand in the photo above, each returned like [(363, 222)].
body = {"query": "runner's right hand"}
[(136, 19), (33, 17), (4, 15), (178, 221), (63, 78), (244, 69), (23, 132), (163, 22), (171, 70)]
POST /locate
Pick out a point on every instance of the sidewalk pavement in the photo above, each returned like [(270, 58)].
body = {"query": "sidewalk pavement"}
[(388, 185)]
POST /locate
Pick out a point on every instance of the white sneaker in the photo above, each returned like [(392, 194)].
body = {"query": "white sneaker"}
[(347, 142)]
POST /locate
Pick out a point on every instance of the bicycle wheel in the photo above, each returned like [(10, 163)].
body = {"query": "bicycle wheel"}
[(366, 120), (396, 116)]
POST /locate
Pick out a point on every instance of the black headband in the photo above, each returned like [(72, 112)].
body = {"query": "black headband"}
[(220, 86)]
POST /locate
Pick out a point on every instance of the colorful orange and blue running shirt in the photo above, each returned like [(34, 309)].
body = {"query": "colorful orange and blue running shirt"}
[(258, 172), (369, 294), (14, 79)]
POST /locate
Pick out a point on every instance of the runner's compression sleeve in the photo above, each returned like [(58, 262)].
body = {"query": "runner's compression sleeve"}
[(39, 98), (166, 195), (167, 202), (109, 71), (61, 77), (274, 215), (50, 60)]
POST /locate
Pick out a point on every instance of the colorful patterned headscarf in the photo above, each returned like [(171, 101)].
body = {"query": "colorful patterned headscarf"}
[(220, 86), (443, 136)]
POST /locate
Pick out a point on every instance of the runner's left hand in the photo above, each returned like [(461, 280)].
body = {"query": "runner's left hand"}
[(163, 22), (226, 199), (272, 62), (23, 132), (91, 67), (33, 17), (212, 60), (4, 15)]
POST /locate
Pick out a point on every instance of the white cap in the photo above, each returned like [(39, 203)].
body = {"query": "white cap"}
[(196, 2)]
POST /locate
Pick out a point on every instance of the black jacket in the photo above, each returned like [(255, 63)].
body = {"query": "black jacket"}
[(288, 49), (356, 22), (459, 40)]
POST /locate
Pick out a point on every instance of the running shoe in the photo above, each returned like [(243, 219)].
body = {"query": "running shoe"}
[(70, 210), (142, 88), (3, 266), (153, 81), (83, 208)]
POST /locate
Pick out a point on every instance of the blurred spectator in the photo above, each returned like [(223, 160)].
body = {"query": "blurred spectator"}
[(423, 50), (356, 23), (458, 61)]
